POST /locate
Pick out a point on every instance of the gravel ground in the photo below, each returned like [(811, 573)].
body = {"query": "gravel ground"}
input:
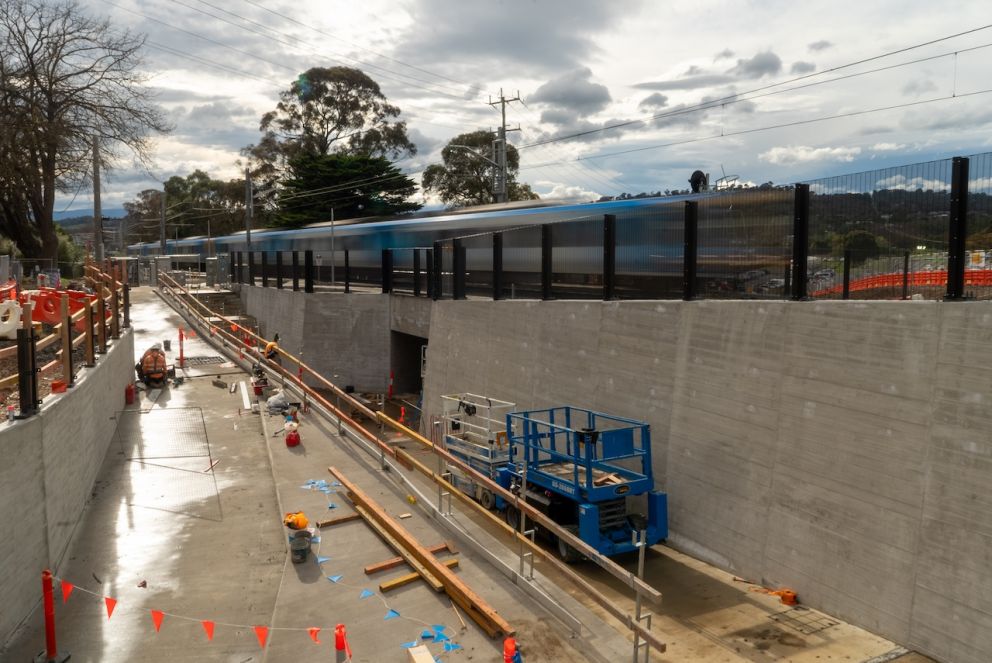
[(9, 367)]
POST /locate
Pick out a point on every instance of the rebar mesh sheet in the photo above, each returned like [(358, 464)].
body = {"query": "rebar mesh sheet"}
[(203, 361), (804, 620), (162, 433)]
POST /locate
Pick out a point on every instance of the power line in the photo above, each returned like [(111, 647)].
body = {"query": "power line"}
[(470, 86), (737, 97), (211, 63), (782, 125), (285, 40)]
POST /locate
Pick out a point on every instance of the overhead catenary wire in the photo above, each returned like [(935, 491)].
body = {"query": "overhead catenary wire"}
[(782, 125), (741, 96), (470, 86), (286, 40)]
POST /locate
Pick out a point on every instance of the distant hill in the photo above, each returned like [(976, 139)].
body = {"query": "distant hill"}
[(74, 214)]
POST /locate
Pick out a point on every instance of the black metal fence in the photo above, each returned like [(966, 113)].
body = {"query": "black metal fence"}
[(917, 231)]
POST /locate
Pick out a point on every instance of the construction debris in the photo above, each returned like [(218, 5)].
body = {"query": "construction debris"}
[(405, 544)]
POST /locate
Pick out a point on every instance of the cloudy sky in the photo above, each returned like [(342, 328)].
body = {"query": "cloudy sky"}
[(579, 66)]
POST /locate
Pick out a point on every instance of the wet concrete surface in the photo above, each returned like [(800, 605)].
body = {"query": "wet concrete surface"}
[(186, 518)]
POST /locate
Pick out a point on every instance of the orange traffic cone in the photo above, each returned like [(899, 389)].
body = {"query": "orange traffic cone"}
[(342, 650)]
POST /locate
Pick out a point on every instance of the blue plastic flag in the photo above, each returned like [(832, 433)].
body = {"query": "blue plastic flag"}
[(451, 646), (391, 614), (334, 578), (365, 594), (321, 560)]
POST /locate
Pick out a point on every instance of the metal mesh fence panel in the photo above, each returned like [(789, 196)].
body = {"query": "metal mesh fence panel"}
[(893, 225), (745, 243), (649, 252), (577, 259), (978, 275)]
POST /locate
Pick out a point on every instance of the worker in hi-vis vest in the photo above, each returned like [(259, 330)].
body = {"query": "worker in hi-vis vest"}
[(152, 369)]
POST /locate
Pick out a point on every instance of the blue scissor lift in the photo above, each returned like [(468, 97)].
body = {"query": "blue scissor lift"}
[(589, 472)]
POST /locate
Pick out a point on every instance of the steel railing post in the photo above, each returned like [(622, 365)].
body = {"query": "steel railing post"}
[(800, 244), (958, 229), (308, 271), (609, 256), (690, 250), (458, 269), (547, 267), (497, 266)]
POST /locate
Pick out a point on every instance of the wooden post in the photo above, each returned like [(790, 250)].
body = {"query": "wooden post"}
[(101, 329), (115, 307), (66, 340), (88, 345)]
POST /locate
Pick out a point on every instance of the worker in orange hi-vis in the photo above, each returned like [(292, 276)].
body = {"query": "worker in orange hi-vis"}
[(271, 351), (511, 653)]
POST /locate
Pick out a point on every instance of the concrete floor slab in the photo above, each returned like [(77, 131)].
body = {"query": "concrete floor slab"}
[(186, 518)]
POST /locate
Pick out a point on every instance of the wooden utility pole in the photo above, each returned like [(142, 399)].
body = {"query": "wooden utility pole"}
[(97, 210)]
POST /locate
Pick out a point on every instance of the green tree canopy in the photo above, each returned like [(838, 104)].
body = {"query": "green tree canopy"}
[(467, 179), (862, 244), (327, 110), (352, 185), (65, 81), (197, 205)]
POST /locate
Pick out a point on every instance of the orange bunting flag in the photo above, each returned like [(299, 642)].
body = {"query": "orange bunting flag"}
[(234, 329), (157, 616), (111, 604), (208, 626), (261, 632), (67, 588), (313, 631)]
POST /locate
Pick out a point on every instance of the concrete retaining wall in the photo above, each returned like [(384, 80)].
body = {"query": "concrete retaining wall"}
[(49, 465), (340, 335), (838, 448)]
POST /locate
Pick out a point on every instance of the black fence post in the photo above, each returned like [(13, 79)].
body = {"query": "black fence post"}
[(847, 275), (429, 264), (265, 269), (387, 271), (416, 272), (958, 229), (251, 268), (609, 257), (497, 266), (458, 269), (437, 271), (800, 244), (905, 275), (279, 269), (27, 372), (347, 271), (308, 271), (101, 312), (547, 255), (296, 271), (127, 306), (690, 250)]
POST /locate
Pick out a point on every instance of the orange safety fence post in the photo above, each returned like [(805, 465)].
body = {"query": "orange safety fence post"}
[(50, 655), (182, 357), (342, 650)]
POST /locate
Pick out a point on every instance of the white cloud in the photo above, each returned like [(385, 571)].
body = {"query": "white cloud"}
[(567, 192), (911, 183), (793, 154), (886, 147)]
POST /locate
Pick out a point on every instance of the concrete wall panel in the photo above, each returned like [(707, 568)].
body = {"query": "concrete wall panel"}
[(50, 464), (838, 448)]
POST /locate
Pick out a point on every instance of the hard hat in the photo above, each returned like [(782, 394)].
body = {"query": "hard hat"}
[(156, 346)]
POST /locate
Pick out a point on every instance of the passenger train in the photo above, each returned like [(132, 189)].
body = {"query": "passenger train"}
[(649, 236)]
